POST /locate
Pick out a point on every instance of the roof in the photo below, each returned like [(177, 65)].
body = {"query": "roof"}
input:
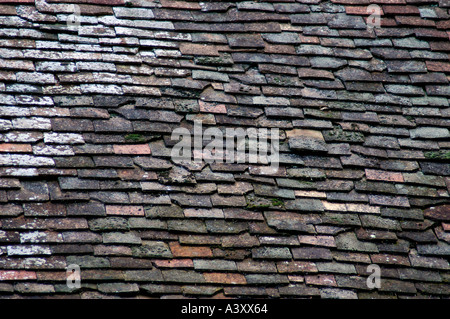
[(91, 92)]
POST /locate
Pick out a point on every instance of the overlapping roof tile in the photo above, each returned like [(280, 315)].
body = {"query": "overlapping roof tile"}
[(91, 92)]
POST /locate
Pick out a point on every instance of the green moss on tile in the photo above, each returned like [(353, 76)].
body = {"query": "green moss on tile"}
[(437, 155), (134, 137), (277, 202)]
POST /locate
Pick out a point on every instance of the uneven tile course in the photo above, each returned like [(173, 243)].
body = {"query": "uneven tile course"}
[(87, 176)]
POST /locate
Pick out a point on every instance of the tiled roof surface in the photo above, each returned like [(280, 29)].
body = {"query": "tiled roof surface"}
[(86, 177)]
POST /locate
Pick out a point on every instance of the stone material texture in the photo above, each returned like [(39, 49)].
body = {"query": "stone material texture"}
[(87, 178)]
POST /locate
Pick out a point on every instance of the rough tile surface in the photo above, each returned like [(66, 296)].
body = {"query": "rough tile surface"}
[(89, 100)]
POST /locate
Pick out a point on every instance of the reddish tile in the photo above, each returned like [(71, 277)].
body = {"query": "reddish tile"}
[(377, 175), (225, 278), (52, 276), (174, 4), (437, 45), (445, 24), (132, 149), (305, 73), (358, 10), (279, 49), (208, 107), (434, 34), (414, 21), (198, 49), (327, 241), (387, 22), (107, 250), (87, 9), (405, 10), (351, 257), (189, 251), (174, 263), (309, 40), (441, 213), (17, 275), (7, 10), (15, 148), (438, 66), (390, 259), (125, 210), (321, 280)]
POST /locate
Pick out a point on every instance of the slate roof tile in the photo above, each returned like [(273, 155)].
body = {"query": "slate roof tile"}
[(87, 175)]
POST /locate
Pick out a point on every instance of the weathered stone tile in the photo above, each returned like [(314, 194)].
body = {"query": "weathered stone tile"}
[(89, 209), (371, 102), (33, 100), (307, 144), (63, 138), (123, 12), (57, 150), (406, 67), (291, 221), (30, 191), (349, 241), (310, 18), (101, 88), (384, 176), (429, 133), (209, 75), (420, 178), (437, 212)]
